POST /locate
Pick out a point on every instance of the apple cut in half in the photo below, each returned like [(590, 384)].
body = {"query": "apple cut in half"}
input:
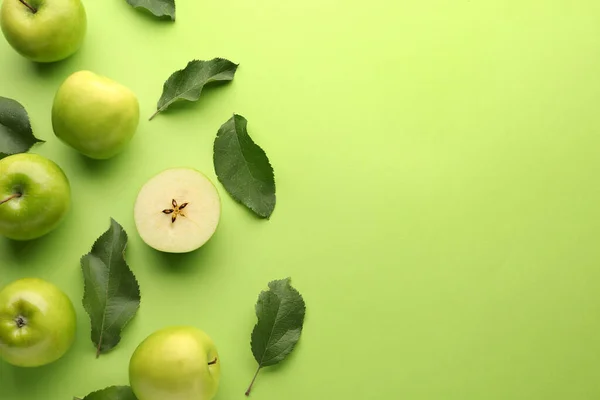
[(177, 211)]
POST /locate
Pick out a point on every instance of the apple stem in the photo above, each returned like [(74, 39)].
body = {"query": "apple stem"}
[(14, 196), (33, 9), (252, 383), (213, 362)]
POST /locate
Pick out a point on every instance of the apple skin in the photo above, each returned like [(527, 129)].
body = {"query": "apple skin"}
[(175, 363), (45, 196), (49, 319), (53, 33), (95, 115)]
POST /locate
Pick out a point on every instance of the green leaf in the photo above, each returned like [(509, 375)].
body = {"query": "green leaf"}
[(16, 135), (243, 167), (111, 393), (160, 8), (111, 294), (280, 312), (187, 83)]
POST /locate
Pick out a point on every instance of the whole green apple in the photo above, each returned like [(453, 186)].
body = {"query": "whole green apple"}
[(35, 196), (175, 363), (44, 30), (95, 115), (37, 323)]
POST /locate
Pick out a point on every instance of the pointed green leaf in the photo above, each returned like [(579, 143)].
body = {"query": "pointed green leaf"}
[(112, 393), (187, 84), (160, 8), (111, 293), (16, 135), (280, 312), (243, 167)]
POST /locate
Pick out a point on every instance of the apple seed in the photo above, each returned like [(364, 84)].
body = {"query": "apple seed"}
[(176, 210)]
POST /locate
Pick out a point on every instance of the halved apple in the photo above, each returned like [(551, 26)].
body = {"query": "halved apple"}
[(177, 211)]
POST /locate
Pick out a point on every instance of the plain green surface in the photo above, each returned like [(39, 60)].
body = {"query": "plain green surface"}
[(438, 195)]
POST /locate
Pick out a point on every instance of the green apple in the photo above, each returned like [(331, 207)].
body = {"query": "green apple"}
[(37, 323), (35, 196), (177, 211), (176, 363), (43, 30), (95, 115)]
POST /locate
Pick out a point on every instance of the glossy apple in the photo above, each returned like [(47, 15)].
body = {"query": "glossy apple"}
[(35, 196), (95, 115), (177, 211), (175, 363), (44, 30), (37, 323)]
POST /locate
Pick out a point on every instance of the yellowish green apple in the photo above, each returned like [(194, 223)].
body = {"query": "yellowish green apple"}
[(177, 211), (95, 115), (35, 196), (44, 30), (175, 363), (37, 323)]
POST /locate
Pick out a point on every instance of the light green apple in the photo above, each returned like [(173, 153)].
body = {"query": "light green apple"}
[(35, 196), (95, 115), (37, 323), (178, 210), (44, 30), (175, 363)]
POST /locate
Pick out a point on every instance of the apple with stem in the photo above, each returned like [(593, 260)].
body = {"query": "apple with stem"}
[(175, 363), (95, 115), (177, 211), (37, 323), (44, 30), (35, 196)]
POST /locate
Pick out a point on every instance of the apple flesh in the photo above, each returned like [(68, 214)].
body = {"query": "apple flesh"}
[(35, 196), (175, 363), (37, 323), (95, 115), (44, 30), (177, 211)]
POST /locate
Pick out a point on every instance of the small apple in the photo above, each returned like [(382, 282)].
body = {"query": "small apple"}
[(95, 115), (175, 363), (177, 211), (44, 30), (37, 323), (35, 196)]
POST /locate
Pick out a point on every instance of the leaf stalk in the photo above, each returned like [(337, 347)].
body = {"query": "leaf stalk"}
[(253, 379)]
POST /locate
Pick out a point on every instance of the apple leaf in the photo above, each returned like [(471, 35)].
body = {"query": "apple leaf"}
[(160, 8), (280, 312), (111, 393), (187, 83), (243, 167), (111, 293), (16, 135)]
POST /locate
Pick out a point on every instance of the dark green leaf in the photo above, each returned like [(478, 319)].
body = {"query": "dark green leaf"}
[(187, 84), (111, 294), (243, 167), (280, 312), (112, 393), (160, 8), (16, 135)]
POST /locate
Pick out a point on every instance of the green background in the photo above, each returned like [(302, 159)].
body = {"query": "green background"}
[(438, 196)]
